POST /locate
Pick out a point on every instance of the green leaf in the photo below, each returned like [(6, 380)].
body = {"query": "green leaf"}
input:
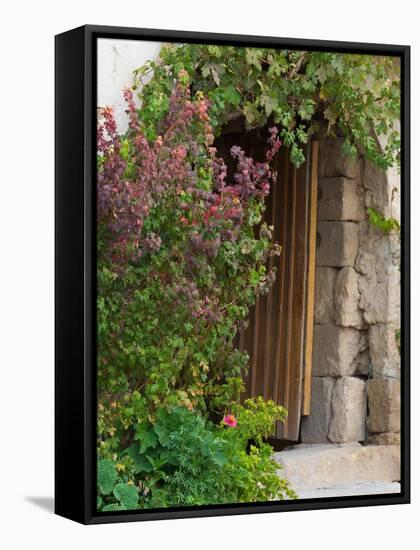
[(124, 149), (251, 113), (232, 95), (217, 51), (296, 156), (167, 423), (141, 463), (146, 436), (254, 277), (107, 475), (188, 327), (269, 103), (387, 225), (127, 495), (167, 457), (306, 109), (321, 73), (301, 134), (215, 75), (252, 57), (205, 70)]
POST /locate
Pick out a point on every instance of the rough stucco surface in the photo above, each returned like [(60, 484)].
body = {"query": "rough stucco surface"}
[(117, 59)]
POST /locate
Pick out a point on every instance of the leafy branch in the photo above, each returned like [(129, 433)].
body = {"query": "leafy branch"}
[(355, 94)]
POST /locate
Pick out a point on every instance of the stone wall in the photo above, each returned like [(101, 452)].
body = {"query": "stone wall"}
[(356, 362)]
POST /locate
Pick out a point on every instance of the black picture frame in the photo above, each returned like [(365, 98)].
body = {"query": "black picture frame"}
[(75, 291)]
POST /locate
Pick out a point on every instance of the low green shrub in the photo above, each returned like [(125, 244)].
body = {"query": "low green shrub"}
[(182, 459)]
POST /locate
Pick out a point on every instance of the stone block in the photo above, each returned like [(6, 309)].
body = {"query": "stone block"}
[(347, 297), (384, 400), (392, 438), (379, 282), (324, 294), (314, 428), (373, 300), (363, 359), (336, 350), (348, 411), (384, 353), (340, 199), (365, 262), (373, 240), (333, 162), (394, 296), (337, 244), (375, 180)]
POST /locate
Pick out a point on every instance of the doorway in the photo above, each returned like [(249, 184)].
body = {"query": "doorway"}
[(279, 335)]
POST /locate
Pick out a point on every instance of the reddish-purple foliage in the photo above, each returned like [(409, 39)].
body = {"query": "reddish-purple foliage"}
[(177, 177)]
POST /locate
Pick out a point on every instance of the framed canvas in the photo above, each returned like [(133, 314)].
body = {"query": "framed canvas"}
[(232, 274)]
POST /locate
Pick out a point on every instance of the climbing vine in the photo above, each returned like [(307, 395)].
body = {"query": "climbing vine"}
[(386, 225), (357, 96)]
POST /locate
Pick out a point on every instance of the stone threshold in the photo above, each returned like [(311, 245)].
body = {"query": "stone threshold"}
[(362, 488), (344, 469)]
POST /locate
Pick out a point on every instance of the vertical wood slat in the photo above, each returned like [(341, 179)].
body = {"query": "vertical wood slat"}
[(297, 291), (286, 210), (269, 321), (248, 347), (283, 212), (254, 364), (290, 253), (310, 304)]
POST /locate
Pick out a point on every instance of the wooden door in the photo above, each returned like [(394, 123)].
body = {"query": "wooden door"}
[(278, 338)]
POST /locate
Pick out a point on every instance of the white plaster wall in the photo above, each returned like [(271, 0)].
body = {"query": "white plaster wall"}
[(117, 59)]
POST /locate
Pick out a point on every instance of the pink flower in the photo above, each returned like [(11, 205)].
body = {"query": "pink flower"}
[(230, 420)]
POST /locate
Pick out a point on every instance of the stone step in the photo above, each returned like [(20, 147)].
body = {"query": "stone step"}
[(340, 467), (353, 489)]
